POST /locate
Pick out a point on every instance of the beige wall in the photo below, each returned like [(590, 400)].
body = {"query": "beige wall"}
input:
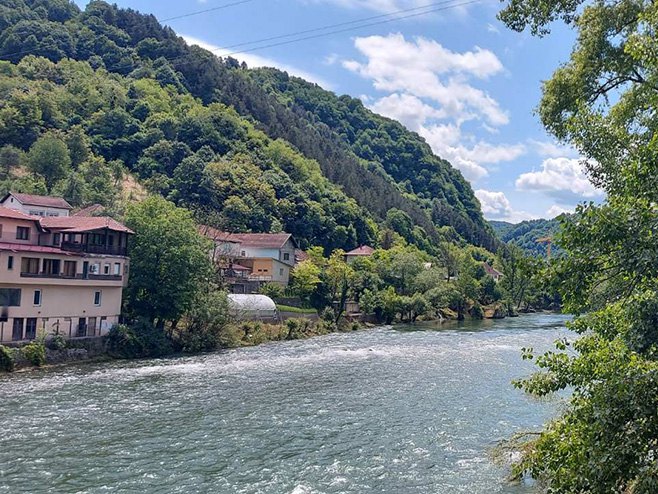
[(8, 233), (60, 303)]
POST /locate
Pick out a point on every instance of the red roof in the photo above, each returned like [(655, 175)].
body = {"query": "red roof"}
[(491, 271), (43, 201), (90, 210), (79, 224), (301, 256), (36, 248), (215, 234), (364, 250), (262, 240), (15, 215)]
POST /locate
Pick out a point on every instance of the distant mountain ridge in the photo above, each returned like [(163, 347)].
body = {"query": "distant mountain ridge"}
[(374, 160), (527, 233)]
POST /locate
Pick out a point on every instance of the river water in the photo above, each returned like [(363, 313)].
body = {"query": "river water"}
[(389, 410)]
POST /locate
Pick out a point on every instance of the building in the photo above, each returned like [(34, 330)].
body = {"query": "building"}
[(36, 205), (58, 273), (246, 261), (362, 251), (494, 273)]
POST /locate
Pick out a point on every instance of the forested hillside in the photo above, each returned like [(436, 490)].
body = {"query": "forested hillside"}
[(387, 170), (527, 233)]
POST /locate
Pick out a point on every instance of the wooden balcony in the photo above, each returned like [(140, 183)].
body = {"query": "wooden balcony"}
[(109, 250), (79, 276)]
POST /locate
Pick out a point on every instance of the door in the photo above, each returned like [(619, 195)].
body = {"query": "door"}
[(91, 327), (31, 328), (85, 269), (17, 331), (82, 327)]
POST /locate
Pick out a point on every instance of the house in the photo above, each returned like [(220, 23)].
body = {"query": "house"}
[(60, 274), (246, 261), (362, 251), (36, 205), (494, 273)]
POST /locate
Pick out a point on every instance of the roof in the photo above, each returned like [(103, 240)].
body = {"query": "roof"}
[(301, 256), (262, 240), (43, 201), (364, 250), (36, 248), (15, 215), (215, 234), (79, 224), (90, 210), (491, 271)]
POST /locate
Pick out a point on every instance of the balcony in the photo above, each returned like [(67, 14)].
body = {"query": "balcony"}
[(254, 277), (109, 250), (79, 276)]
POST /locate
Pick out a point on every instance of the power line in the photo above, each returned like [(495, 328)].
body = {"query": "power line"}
[(341, 24), (296, 40), (213, 9)]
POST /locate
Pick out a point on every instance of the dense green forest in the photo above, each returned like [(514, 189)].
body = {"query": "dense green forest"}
[(527, 233), (388, 175)]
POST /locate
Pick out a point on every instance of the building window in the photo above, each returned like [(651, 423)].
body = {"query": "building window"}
[(286, 256), (10, 297), (31, 328), (17, 329), (243, 253), (57, 238), (117, 269), (106, 269), (37, 297), (52, 266), (70, 268), (10, 263), (22, 233), (30, 265), (281, 272), (95, 268), (0, 230), (97, 298)]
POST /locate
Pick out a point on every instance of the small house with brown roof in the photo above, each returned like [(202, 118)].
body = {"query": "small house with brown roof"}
[(362, 251), (494, 273), (34, 205)]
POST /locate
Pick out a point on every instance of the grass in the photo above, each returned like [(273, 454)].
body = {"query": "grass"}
[(297, 310)]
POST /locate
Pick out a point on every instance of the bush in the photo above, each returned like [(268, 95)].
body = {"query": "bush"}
[(35, 353), (141, 339), (7, 360), (272, 290), (56, 342)]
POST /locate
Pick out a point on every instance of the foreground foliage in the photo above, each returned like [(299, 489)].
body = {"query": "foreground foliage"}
[(603, 102)]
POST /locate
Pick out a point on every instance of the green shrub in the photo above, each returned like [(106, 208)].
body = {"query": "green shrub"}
[(35, 353), (141, 339), (7, 360), (56, 342)]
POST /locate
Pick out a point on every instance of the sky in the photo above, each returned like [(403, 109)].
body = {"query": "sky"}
[(457, 76)]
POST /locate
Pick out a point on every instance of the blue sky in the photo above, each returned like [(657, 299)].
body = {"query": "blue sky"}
[(458, 77)]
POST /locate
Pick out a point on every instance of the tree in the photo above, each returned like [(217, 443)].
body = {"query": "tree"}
[(338, 275), (602, 102), (170, 261), (305, 278), (49, 157)]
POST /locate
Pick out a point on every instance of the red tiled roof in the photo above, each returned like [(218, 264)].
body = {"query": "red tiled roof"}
[(79, 224), (301, 256), (364, 250), (215, 234), (90, 210), (262, 240), (43, 201), (36, 248), (15, 215), (491, 271)]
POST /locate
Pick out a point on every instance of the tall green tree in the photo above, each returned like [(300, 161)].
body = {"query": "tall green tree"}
[(602, 101), (49, 157), (170, 261)]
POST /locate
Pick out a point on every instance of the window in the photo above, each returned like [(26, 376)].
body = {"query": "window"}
[(37, 297), (30, 265), (31, 328), (106, 269), (243, 253), (117, 269), (57, 238), (10, 297), (281, 272), (95, 268), (70, 268), (22, 233), (52, 266), (10, 262), (97, 298), (0, 230), (286, 256), (17, 329)]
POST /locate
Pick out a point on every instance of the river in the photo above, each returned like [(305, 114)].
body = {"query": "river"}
[(409, 409)]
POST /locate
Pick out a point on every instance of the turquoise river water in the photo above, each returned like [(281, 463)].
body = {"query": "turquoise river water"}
[(390, 410)]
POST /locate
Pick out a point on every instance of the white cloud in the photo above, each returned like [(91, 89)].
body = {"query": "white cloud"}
[(425, 69), (561, 178), (496, 206), (257, 61), (557, 210), (406, 109), (492, 29), (447, 142), (550, 149)]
